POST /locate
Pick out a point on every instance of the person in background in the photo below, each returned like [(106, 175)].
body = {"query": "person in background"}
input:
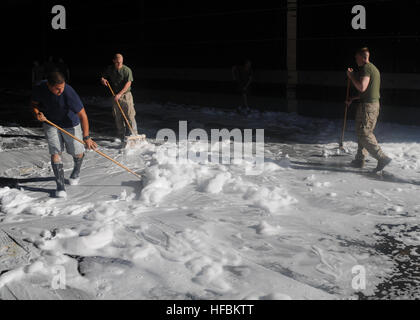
[(243, 77), (49, 66), (367, 81), (120, 77)]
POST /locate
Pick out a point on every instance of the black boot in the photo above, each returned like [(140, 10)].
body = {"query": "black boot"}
[(74, 178), (358, 164), (382, 164), (59, 177)]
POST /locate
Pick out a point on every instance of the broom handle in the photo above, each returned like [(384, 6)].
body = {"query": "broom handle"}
[(97, 151), (345, 113), (122, 111)]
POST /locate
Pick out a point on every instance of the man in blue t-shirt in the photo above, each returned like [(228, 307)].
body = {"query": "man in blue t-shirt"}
[(59, 103)]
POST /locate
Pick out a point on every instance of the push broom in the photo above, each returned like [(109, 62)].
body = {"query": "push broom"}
[(135, 139), (97, 151)]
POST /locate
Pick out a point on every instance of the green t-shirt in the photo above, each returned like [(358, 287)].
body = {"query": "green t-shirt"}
[(372, 94), (118, 78)]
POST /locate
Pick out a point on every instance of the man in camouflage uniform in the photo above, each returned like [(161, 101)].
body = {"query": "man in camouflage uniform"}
[(120, 77), (368, 83)]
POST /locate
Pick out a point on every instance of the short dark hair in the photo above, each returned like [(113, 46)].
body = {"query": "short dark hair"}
[(364, 52), (55, 78), (117, 54)]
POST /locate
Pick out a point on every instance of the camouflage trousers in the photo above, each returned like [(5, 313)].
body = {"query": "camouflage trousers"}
[(366, 120), (127, 104)]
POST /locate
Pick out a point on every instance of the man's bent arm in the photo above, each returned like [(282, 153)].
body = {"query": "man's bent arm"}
[(85, 122), (249, 82), (125, 89), (105, 77), (90, 144), (362, 84)]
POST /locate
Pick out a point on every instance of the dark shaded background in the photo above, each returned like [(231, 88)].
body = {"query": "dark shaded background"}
[(393, 34), (149, 33), (209, 34)]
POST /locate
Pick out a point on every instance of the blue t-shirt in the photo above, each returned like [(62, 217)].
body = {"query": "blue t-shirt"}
[(61, 110)]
